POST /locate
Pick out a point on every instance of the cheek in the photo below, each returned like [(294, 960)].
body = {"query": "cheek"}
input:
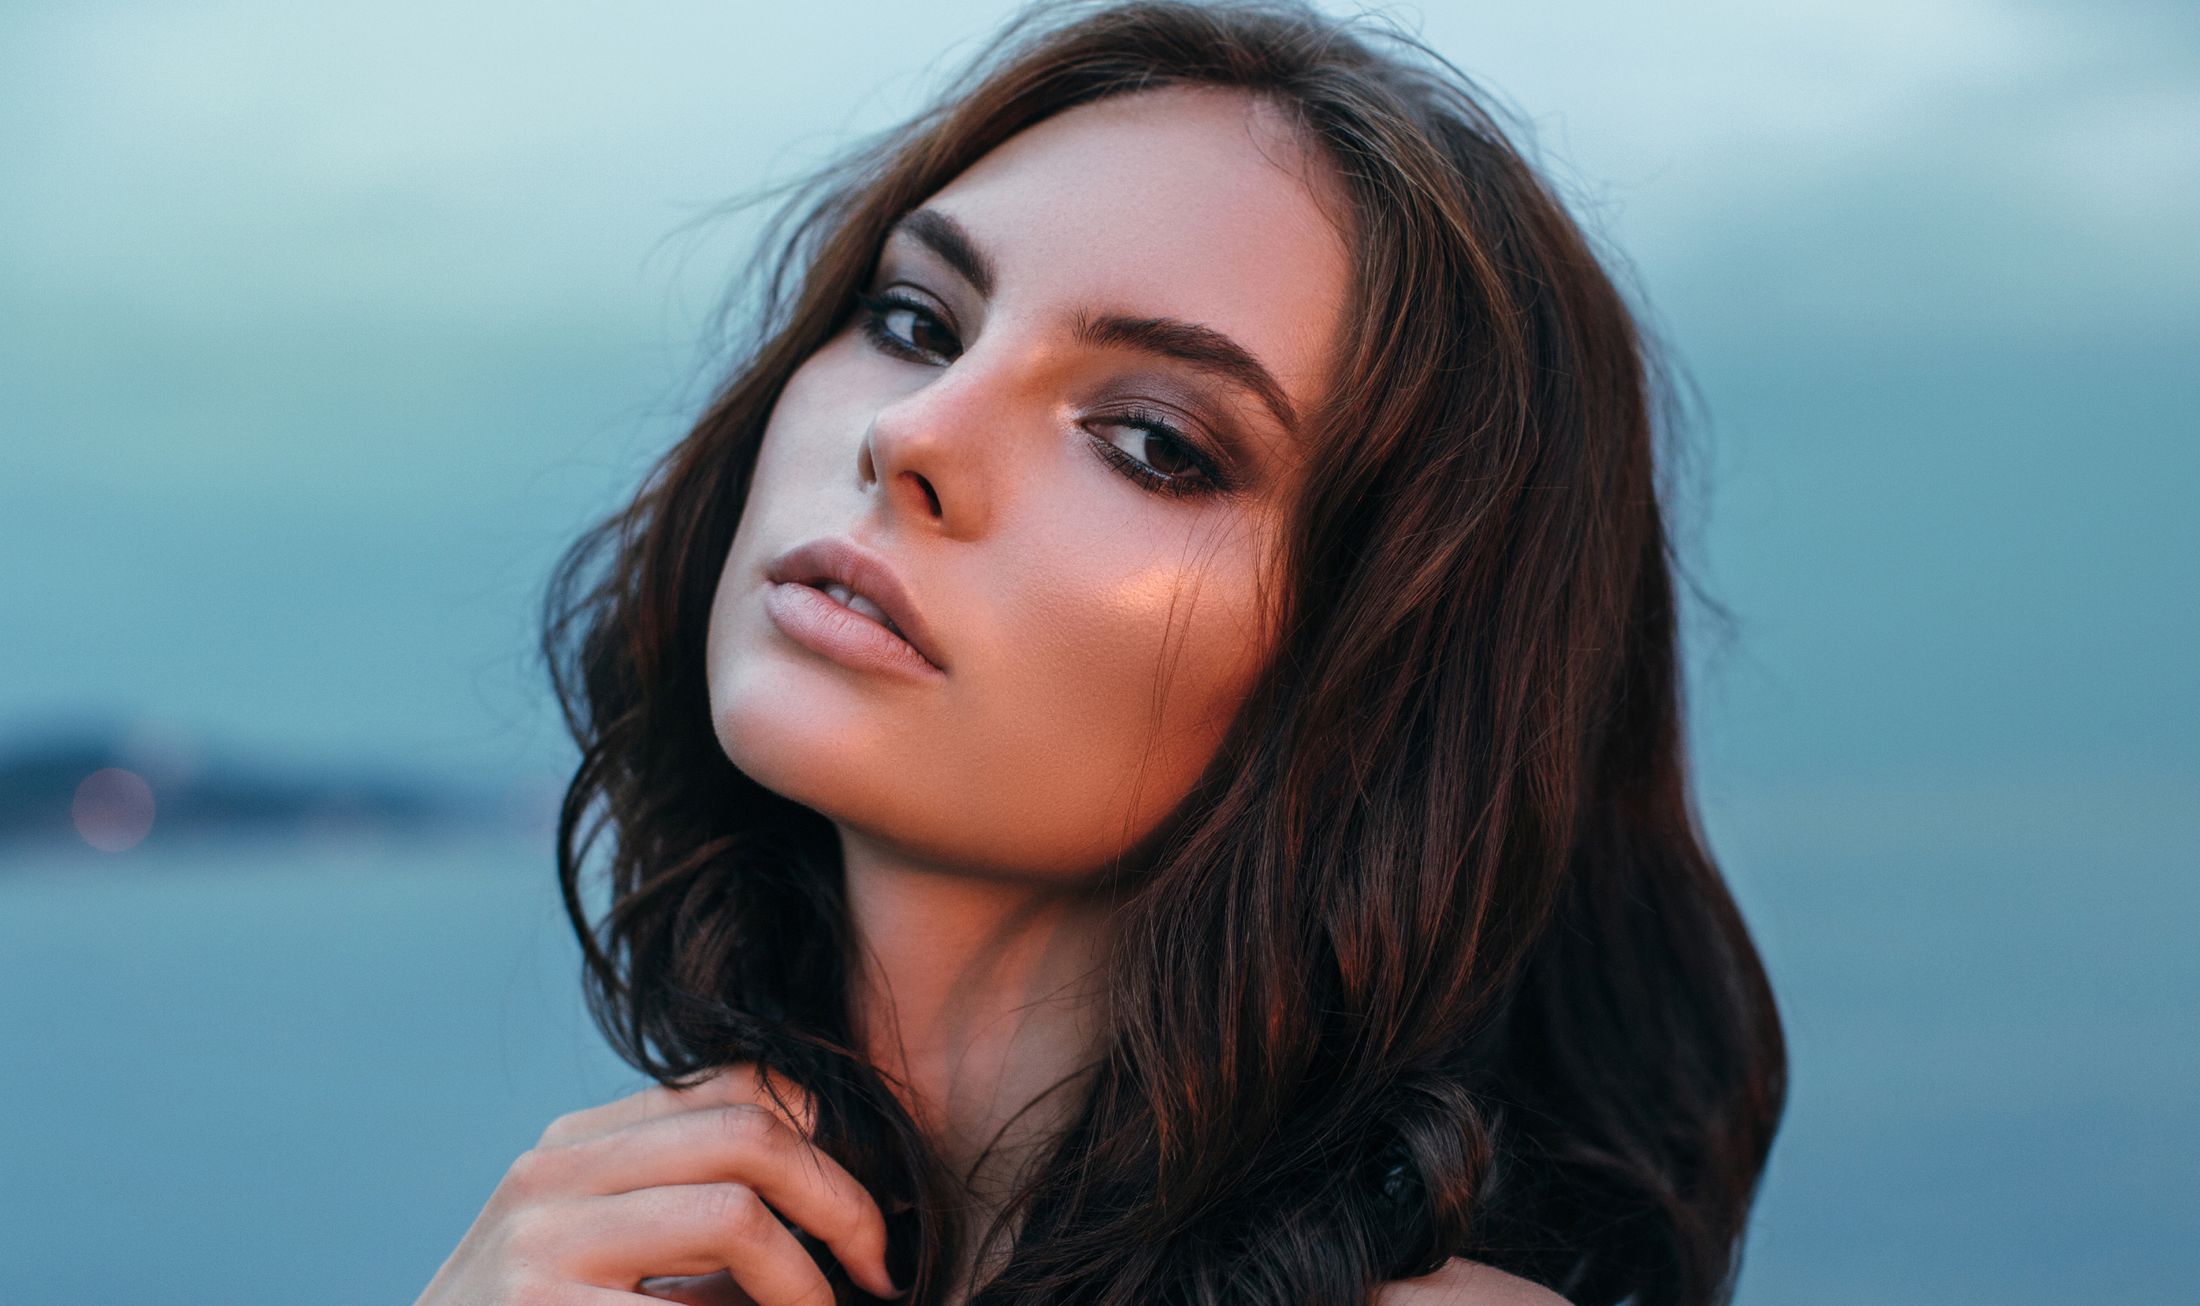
[(763, 697), (1108, 693)]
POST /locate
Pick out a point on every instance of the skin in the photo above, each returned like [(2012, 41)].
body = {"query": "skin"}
[(1096, 638)]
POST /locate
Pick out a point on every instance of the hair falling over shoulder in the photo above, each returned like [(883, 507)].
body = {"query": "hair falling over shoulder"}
[(1433, 961)]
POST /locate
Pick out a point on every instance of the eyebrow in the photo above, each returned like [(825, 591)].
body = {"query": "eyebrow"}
[(1202, 347)]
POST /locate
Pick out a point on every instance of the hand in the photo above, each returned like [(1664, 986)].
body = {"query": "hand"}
[(693, 1188)]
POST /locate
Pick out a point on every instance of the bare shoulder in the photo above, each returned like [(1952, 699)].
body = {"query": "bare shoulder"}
[(1461, 1282)]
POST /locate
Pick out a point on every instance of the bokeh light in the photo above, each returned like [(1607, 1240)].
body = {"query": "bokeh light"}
[(113, 809)]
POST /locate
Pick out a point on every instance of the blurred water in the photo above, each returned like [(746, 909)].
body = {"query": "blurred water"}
[(254, 1073), (1989, 998), (274, 1072)]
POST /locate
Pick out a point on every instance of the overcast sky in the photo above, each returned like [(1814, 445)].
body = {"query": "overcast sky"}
[(323, 328)]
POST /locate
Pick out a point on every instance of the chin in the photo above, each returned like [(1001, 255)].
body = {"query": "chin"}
[(786, 745)]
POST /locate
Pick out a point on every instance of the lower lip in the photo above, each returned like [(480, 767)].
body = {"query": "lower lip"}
[(813, 620)]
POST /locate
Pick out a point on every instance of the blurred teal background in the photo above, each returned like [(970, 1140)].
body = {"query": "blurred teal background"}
[(323, 329)]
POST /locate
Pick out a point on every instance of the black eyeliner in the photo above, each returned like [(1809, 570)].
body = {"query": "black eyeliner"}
[(1218, 477)]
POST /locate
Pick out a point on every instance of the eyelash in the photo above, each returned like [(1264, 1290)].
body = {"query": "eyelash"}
[(1212, 479)]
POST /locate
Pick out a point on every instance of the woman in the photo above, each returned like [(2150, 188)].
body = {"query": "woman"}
[(1141, 732)]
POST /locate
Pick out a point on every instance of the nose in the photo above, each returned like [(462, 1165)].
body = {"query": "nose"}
[(908, 490), (938, 451)]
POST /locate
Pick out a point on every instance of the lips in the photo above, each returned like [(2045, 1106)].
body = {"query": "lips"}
[(837, 561)]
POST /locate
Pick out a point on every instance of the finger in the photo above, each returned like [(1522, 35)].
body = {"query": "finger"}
[(717, 1289), (743, 1143), (740, 1082), (582, 1294), (696, 1290), (699, 1229)]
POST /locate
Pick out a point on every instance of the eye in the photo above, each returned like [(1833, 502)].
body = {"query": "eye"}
[(875, 309), (1203, 473)]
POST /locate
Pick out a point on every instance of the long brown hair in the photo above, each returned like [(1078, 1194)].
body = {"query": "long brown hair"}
[(1432, 961)]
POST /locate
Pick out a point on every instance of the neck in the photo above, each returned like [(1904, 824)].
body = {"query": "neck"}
[(975, 997)]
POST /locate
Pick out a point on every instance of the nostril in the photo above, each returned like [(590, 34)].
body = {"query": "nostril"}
[(931, 499)]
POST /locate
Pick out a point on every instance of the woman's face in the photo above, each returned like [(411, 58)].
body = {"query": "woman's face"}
[(1095, 634)]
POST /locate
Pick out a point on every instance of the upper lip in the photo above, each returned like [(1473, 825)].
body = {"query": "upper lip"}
[(826, 561)]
